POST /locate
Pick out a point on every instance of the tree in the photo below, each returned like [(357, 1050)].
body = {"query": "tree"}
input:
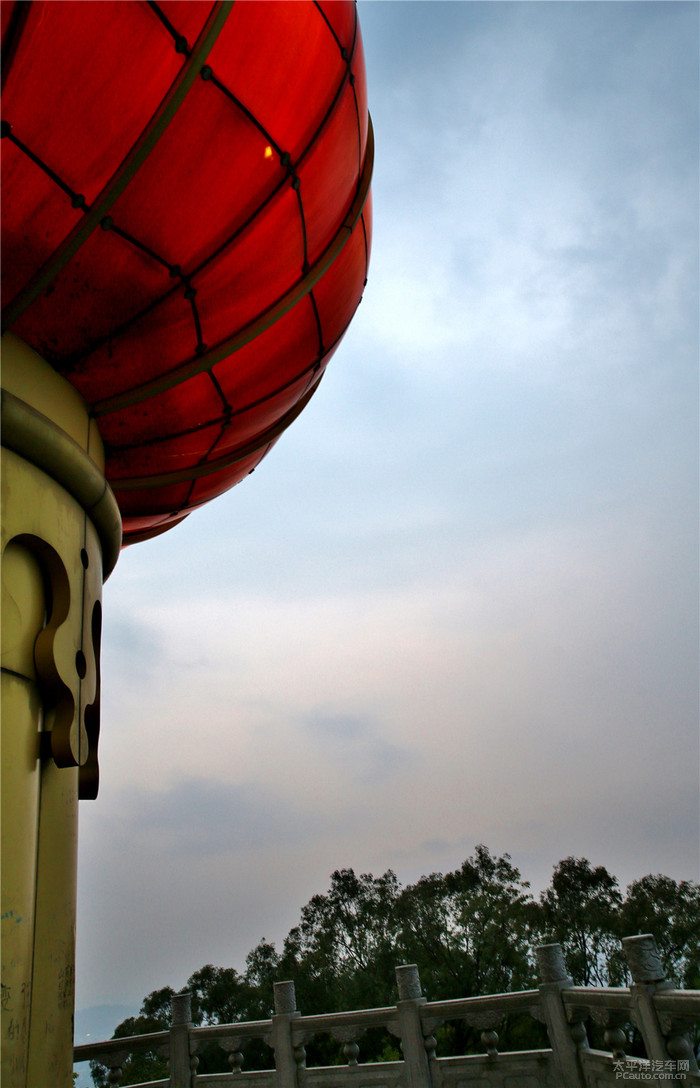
[(263, 968), (580, 910), (469, 933), (469, 930), (342, 951), (671, 911), (219, 995)]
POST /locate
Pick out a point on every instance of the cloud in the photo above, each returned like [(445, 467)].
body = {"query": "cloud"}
[(200, 816), (357, 746)]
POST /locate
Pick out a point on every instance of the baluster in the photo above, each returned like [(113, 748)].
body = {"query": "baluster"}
[(348, 1036), (194, 1065), (616, 1040), (430, 1044), (351, 1051), (115, 1073), (579, 1035), (489, 1040), (300, 1056), (114, 1063), (234, 1049), (235, 1060), (680, 1048)]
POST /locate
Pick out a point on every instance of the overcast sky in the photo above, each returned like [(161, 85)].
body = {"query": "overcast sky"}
[(458, 601)]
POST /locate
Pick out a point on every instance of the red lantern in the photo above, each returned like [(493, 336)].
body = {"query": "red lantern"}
[(186, 224)]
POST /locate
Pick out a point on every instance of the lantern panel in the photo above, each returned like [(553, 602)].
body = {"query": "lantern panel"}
[(210, 487), (331, 166), (151, 504), (104, 102), (182, 452), (290, 345), (218, 175), (338, 293), (150, 345), (250, 423), (284, 66), (170, 413), (104, 285), (44, 211), (254, 272), (341, 19), (151, 526)]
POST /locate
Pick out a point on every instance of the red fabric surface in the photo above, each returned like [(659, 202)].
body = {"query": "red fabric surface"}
[(197, 275)]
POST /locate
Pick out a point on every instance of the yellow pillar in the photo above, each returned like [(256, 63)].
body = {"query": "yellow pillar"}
[(60, 536)]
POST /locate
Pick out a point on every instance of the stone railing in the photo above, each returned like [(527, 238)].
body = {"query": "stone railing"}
[(663, 1016)]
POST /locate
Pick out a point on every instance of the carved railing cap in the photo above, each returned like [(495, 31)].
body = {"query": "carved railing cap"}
[(285, 997), (643, 958), (408, 982), (550, 962), (181, 1006)]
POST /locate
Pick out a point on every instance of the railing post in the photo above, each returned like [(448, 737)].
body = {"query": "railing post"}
[(282, 1043), (648, 978), (412, 1041), (566, 1039), (180, 1069)]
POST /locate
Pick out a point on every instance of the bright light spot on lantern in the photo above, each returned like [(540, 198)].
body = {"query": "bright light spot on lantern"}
[(267, 154)]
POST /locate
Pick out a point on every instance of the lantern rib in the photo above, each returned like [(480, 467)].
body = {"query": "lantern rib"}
[(129, 167), (190, 294), (228, 93), (12, 38), (178, 39), (77, 199), (305, 263), (325, 19), (264, 320), (108, 224), (228, 407), (319, 330)]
